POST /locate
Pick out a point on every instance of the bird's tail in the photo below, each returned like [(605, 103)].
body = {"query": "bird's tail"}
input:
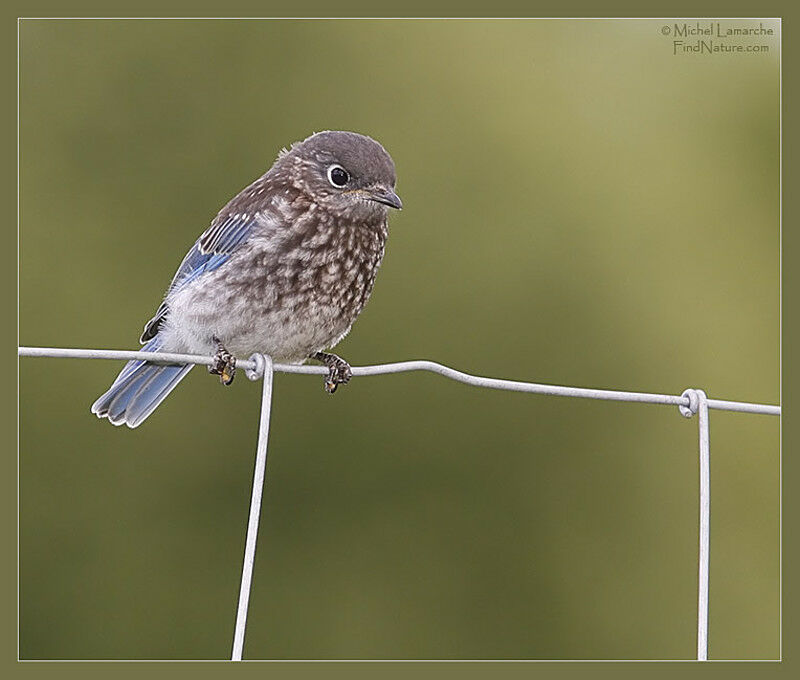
[(139, 389)]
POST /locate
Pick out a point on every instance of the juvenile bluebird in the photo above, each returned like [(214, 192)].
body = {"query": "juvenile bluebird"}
[(284, 270)]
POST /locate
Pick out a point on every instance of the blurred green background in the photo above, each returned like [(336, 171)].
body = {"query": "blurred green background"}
[(582, 208)]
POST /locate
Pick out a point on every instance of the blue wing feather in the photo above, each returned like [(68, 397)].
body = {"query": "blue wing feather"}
[(214, 247)]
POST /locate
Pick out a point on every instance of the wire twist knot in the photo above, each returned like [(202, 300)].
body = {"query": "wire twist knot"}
[(261, 366), (694, 403)]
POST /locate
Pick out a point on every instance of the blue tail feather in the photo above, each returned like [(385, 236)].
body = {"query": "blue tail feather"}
[(138, 390), (145, 401)]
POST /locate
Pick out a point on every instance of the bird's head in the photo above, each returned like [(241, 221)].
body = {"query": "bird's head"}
[(348, 174)]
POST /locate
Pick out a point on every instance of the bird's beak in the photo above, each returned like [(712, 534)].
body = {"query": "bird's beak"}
[(385, 196)]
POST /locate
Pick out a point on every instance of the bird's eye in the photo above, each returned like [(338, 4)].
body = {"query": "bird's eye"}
[(338, 176)]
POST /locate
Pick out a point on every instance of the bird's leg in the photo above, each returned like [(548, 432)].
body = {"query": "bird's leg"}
[(339, 371), (224, 363)]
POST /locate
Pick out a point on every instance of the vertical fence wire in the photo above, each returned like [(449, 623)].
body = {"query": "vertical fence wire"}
[(705, 512), (255, 506), (698, 404)]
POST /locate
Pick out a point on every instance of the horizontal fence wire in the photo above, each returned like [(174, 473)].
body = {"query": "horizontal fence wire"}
[(407, 366), (692, 401)]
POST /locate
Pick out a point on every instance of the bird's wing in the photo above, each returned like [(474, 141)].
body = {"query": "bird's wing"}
[(214, 247)]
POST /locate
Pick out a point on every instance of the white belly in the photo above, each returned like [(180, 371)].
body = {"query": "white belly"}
[(246, 325)]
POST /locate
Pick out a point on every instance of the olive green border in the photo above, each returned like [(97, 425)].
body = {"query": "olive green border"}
[(410, 8)]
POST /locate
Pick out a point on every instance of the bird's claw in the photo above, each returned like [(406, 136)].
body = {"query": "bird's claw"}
[(339, 371), (224, 366)]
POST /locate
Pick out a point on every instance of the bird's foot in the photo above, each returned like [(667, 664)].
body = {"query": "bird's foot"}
[(224, 364), (339, 371)]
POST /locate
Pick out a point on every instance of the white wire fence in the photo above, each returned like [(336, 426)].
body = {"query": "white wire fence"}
[(692, 401)]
